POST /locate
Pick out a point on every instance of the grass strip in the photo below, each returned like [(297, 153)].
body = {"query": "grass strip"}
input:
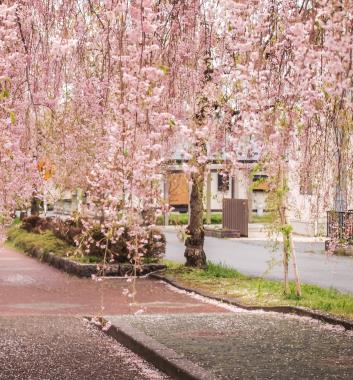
[(47, 241), (265, 218), (176, 219), (222, 281)]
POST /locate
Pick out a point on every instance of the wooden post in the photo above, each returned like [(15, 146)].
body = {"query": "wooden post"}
[(166, 200), (232, 187), (250, 193), (189, 205), (208, 198)]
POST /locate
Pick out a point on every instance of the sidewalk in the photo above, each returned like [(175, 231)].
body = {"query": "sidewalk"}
[(252, 345), (29, 287), (43, 334), (65, 348)]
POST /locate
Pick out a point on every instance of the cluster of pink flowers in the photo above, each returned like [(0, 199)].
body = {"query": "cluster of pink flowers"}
[(105, 91)]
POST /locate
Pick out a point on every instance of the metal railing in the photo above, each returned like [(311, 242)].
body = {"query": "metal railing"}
[(340, 224)]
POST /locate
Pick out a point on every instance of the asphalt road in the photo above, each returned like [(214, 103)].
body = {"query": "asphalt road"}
[(258, 258)]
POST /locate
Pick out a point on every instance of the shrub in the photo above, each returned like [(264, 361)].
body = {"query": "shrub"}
[(216, 218), (114, 245), (36, 224), (46, 241), (155, 247), (67, 230), (182, 219)]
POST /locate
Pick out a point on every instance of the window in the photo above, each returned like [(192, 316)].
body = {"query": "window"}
[(223, 182), (306, 185)]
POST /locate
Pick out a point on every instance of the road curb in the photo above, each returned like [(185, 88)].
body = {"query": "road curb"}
[(299, 311), (162, 357)]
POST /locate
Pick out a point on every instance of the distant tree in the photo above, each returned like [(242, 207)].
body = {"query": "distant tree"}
[(192, 39), (295, 67)]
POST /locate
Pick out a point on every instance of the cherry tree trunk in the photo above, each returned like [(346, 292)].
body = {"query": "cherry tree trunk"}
[(194, 252), (298, 290), (287, 234), (34, 206)]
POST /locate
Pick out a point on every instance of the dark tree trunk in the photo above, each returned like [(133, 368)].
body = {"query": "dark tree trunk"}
[(34, 206), (194, 252)]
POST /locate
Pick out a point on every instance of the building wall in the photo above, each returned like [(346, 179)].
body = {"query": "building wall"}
[(216, 195), (307, 213), (259, 201), (239, 191)]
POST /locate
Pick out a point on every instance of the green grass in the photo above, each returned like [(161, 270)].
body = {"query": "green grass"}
[(182, 219), (86, 259), (265, 218), (220, 280), (47, 241), (176, 218)]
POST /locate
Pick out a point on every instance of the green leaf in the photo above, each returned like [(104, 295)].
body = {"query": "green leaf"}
[(165, 69), (12, 117), (4, 94)]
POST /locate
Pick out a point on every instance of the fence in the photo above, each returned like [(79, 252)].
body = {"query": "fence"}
[(236, 215), (340, 224)]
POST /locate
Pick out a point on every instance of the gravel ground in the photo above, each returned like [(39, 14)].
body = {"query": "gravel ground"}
[(45, 348), (254, 345)]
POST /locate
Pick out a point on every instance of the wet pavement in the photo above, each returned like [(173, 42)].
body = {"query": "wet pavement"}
[(28, 287), (253, 345), (43, 334)]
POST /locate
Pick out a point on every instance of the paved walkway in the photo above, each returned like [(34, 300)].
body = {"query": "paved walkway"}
[(256, 257), (253, 345), (65, 348), (28, 287), (43, 335)]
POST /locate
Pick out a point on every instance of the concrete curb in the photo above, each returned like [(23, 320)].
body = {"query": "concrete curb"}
[(300, 311), (162, 357), (222, 233), (340, 250), (87, 270)]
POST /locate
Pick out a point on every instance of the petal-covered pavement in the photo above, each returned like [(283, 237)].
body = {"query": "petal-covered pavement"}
[(29, 287), (253, 345), (43, 334), (65, 348)]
